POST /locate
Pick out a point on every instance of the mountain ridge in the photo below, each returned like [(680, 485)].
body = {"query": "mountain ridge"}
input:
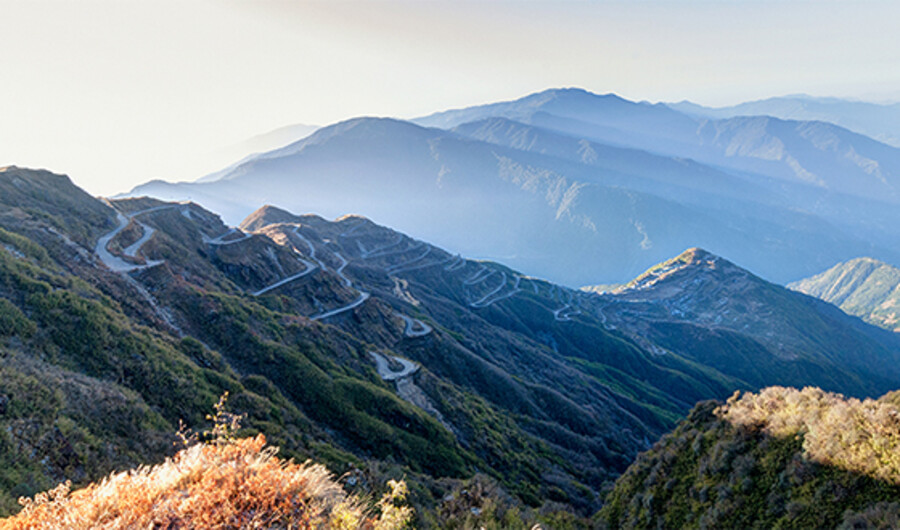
[(357, 344), (495, 201), (865, 287)]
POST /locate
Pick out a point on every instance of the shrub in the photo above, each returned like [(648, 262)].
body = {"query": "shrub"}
[(238, 484)]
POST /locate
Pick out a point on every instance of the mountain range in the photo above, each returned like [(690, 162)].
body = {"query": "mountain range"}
[(878, 121), (581, 188), (377, 353), (865, 287)]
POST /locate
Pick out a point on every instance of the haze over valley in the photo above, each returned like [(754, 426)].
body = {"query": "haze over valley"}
[(581, 188)]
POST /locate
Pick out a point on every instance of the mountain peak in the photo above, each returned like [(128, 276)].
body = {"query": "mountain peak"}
[(267, 215), (695, 255), (698, 258)]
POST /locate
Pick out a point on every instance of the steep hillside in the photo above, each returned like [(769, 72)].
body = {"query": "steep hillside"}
[(323, 337), (781, 458), (864, 287), (369, 350), (722, 316)]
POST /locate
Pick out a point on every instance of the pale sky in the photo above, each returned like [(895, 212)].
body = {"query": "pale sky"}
[(118, 92)]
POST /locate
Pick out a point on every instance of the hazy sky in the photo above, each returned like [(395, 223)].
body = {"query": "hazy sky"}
[(117, 92)]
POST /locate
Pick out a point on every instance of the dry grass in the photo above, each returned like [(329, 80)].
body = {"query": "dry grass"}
[(239, 484)]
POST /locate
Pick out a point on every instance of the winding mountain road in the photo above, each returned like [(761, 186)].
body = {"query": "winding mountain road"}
[(408, 265), (312, 249), (310, 267), (411, 324), (132, 249), (477, 277), (379, 251), (363, 296), (384, 368), (487, 300), (115, 263), (340, 270), (481, 302), (564, 315), (220, 240), (456, 263)]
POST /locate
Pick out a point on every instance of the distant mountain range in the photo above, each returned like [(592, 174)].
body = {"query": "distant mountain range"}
[(864, 287), (258, 145), (370, 350), (879, 121), (583, 189)]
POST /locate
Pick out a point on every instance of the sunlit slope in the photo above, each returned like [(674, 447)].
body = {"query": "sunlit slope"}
[(864, 287), (780, 458)]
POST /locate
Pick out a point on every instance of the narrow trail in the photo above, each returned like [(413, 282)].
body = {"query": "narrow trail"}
[(411, 324)]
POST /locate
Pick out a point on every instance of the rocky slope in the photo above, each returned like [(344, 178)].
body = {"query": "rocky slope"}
[(865, 287)]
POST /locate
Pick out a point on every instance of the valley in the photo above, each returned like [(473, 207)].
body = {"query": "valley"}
[(360, 346), (490, 265)]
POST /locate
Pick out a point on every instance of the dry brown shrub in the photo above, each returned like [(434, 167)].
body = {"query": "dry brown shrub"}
[(240, 484)]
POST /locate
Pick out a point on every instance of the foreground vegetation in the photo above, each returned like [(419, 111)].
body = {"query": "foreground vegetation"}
[(236, 484), (780, 458)]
